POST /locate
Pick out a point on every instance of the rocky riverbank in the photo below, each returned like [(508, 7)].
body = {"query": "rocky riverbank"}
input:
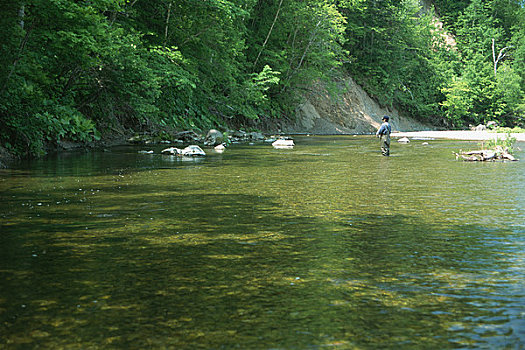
[(351, 111)]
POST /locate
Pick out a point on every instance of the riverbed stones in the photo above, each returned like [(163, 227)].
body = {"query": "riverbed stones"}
[(239, 134), (188, 136), (137, 139), (480, 127), (255, 136)]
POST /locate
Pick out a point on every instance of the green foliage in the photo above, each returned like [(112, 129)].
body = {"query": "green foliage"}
[(255, 91), (508, 89), (262, 81), (450, 10), (506, 143), (458, 103), (490, 65), (303, 40), (507, 130), (398, 55), (475, 30), (63, 122), (69, 68)]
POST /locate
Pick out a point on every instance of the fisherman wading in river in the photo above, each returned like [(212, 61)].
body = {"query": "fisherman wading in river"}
[(384, 133)]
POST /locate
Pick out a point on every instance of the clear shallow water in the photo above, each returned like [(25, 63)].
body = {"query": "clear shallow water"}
[(327, 245)]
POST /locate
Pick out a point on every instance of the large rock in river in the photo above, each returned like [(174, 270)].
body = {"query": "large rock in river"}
[(214, 138)]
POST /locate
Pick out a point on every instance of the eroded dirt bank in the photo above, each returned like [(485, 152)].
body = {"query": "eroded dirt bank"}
[(351, 111)]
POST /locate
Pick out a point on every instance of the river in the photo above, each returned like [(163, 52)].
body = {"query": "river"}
[(326, 245)]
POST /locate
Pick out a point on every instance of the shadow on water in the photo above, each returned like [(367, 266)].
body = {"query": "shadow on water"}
[(162, 258), (270, 279), (167, 278)]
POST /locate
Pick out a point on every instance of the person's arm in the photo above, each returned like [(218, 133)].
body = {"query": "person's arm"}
[(381, 130)]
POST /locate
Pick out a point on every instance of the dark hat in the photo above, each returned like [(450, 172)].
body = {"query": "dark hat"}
[(386, 117)]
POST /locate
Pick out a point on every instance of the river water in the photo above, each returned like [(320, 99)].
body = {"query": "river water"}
[(326, 245)]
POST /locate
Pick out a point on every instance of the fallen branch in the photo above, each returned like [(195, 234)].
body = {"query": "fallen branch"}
[(486, 155)]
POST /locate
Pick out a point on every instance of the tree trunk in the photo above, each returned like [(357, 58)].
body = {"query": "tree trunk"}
[(22, 14), (19, 55), (269, 33), (307, 48), (167, 24), (501, 55)]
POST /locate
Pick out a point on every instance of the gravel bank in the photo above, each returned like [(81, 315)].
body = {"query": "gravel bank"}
[(458, 135)]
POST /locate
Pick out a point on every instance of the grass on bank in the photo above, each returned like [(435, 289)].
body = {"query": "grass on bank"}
[(506, 130), (506, 143)]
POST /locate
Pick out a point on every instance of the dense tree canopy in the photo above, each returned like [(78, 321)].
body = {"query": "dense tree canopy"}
[(71, 69)]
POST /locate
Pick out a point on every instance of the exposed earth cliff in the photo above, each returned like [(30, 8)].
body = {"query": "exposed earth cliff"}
[(352, 111)]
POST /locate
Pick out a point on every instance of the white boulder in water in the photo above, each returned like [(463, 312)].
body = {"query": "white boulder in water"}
[(219, 148), (283, 143), (172, 150), (193, 150)]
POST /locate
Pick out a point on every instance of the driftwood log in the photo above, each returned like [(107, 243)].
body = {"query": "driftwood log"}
[(485, 155)]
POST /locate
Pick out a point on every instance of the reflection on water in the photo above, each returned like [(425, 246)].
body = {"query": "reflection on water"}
[(324, 245)]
